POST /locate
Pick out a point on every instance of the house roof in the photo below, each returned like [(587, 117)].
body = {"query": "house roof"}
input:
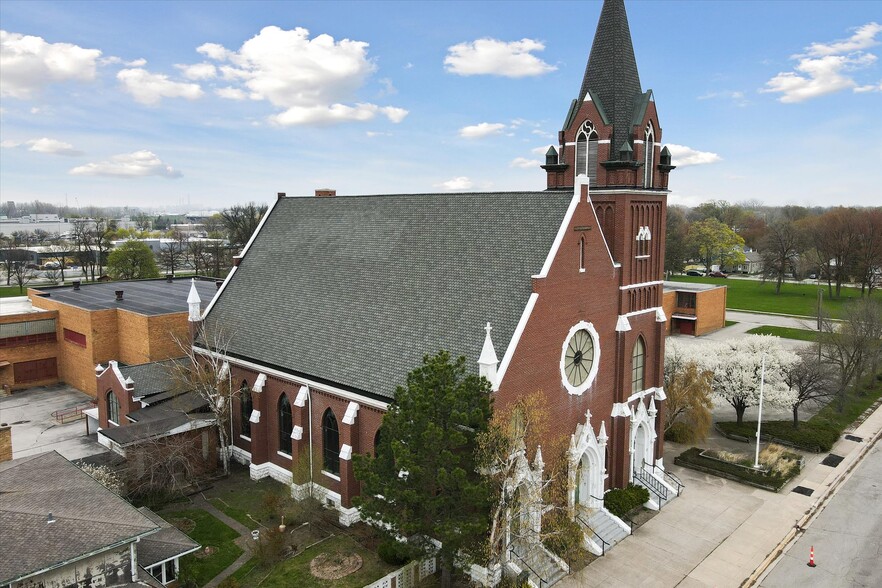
[(354, 291), (160, 420), (88, 517), (611, 73), (164, 544), (152, 378), (147, 297)]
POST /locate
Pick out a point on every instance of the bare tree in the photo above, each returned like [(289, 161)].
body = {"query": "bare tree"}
[(853, 344), (205, 372), (22, 275), (173, 253), (780, 250), (810, 380), (241, 222), (868, 257), (835, 237), (166, 465)]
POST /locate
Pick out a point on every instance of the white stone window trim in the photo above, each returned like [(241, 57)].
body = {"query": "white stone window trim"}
[(595, 366), (241, 436), (330, 475), (285, 455)]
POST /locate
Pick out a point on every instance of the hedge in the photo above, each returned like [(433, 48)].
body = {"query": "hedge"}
[(621, 501)]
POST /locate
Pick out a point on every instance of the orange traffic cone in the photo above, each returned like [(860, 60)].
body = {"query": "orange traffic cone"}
[(811, 562)]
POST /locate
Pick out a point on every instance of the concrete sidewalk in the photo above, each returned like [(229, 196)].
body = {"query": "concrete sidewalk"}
[(719, 532)]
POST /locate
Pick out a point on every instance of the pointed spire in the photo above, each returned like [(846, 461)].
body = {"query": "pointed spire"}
[(602, 437), (538, 464), (611, 74), (194, 302), (488, 362)]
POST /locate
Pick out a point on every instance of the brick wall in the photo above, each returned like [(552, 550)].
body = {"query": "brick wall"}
[(5, 443), (28, 351), (710, 309)]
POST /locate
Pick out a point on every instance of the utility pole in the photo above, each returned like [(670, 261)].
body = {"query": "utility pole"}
[(759, 419)]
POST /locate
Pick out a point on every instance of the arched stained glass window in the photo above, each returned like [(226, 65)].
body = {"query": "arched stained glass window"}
[(330, 443), (285, 424)]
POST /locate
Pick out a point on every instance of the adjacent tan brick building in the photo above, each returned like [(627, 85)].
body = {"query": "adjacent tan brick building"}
[(694, 309)]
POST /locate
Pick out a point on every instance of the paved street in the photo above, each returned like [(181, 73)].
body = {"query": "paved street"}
[(847, 536)]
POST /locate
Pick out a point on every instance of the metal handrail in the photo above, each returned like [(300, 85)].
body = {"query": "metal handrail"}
[(604, 545), (651, 484), (669, 477), (623, 518), (542, 581)]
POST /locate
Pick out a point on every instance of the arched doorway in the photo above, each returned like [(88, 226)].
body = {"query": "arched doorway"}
[(587, 466)]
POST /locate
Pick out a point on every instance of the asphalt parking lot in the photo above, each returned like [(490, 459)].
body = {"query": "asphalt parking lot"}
[(35, 430)]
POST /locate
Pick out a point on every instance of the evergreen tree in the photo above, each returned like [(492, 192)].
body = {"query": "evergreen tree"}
[(424, 482)]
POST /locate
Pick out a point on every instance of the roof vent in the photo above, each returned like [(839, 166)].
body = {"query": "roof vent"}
[(76, 285), (50, 519), (218, 284), (119, 294), (325, 193), (280, 195)]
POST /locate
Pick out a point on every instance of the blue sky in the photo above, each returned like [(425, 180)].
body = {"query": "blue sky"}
[(206, 104)]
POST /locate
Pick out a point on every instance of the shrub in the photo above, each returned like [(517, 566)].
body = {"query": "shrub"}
[(679, 433), (621, 501), (562, 536), (394, 553)]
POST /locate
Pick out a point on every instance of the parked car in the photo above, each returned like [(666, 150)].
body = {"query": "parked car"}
[(717, 274), (52, 265), (695, 273)]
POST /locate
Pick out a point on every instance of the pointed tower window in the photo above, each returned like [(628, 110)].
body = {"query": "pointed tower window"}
[(637, 359), (112, 408), (582, 254), (586, 152), (648, 156)]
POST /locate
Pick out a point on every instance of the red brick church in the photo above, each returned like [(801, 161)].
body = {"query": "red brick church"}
[(336, 298)]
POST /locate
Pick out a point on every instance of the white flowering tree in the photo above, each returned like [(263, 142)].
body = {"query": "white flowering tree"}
[(737, 365)]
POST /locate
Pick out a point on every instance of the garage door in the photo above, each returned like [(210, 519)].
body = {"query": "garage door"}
[(32, 371)]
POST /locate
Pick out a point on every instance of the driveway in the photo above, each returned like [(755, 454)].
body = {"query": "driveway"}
[(34, 430)]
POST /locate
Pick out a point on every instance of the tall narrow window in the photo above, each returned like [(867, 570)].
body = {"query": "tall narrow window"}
[(586, 152), (330, 443), (112, 407), (246, 407), (285, 424), (637, 359), (582, 254), (648, 156)]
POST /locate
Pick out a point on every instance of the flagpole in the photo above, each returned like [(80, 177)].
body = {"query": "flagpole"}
[(759, 419)]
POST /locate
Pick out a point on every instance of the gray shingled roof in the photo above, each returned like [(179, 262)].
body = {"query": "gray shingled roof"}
[(152, 378), (163, 545), (611, 74), (88, 516), (355, 290)]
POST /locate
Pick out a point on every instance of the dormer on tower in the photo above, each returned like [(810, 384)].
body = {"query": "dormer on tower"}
[(611, 133)]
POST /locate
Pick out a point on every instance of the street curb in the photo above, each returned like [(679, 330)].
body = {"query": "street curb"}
[(767, 564)]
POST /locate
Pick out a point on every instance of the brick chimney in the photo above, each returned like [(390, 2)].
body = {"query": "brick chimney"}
[(325, 193)]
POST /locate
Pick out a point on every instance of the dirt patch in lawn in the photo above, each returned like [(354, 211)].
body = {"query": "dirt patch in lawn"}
[(333, 566)]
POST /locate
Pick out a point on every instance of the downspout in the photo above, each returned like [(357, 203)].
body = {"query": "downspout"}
[(309, 400)]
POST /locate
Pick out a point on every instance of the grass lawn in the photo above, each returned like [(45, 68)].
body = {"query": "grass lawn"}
[(208, 532), (9, 291), (730, 323), (785, 332), (796, 299), (238, 496), (295, 571)]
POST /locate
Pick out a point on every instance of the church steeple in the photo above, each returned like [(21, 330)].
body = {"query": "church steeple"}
[(611, 74), (611, 134)]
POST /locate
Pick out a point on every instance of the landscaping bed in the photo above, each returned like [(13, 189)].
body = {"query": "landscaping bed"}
[(815, 437), (781, 466)]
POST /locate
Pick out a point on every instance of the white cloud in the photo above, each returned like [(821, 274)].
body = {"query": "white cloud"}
[(523, 162), (864, 37), (454, 184), (481, 130), (541, 150), (389, 88), (493, 57), (542, 133), (52, 146), (320, 114), (128, 165), (736, 96), (150, 88), (44, 145), (198, 71), (313, 81), (29, 64), (113, 60), (683, 156), (231, 93), (373, 134), (827, 68), (869, 88)]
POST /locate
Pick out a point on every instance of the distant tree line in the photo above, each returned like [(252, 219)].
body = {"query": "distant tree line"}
[(838, 245)]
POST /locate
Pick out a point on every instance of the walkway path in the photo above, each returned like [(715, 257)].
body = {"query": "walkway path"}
[(720, 532), (244, 540)]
